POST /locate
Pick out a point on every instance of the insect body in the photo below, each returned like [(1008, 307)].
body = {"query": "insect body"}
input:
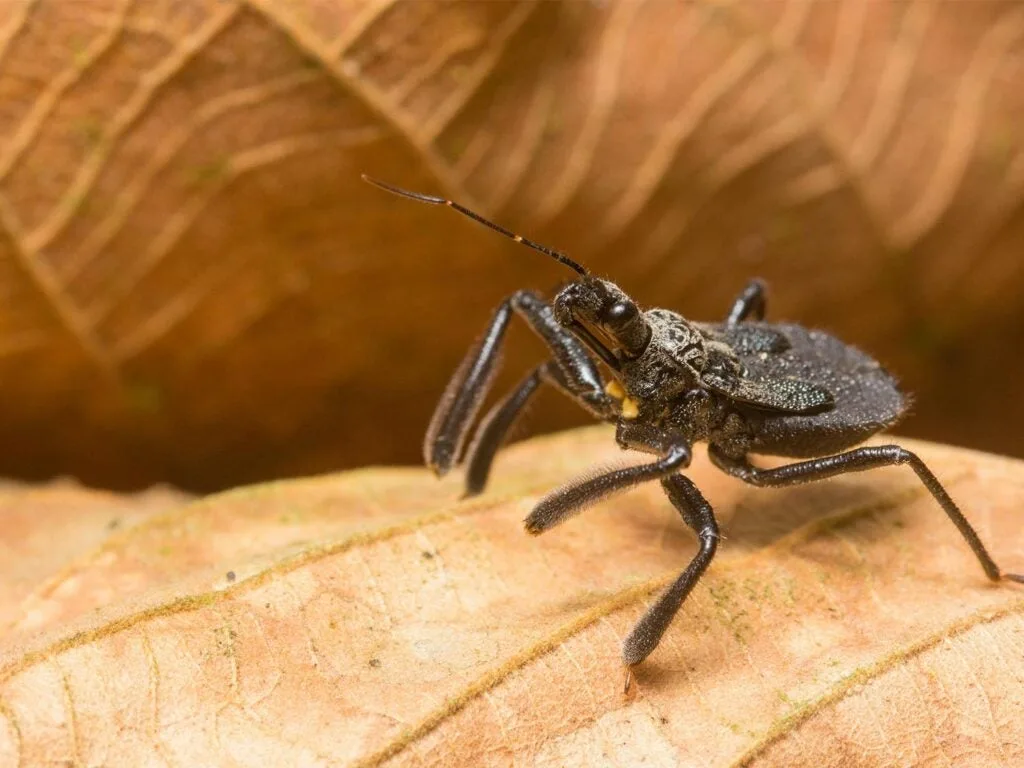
[(744, 386)]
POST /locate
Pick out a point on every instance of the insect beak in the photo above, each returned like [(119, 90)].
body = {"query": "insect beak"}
[(606, 336)]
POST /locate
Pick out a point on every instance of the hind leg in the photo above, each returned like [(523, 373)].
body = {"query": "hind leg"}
[(859, 460), (750, 304)]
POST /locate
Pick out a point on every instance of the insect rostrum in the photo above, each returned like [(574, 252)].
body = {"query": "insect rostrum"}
[(742, 385)]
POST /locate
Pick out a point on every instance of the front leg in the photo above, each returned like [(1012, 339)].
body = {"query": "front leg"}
[(495, 426), (751, 303), (576, 496), (460, 403)]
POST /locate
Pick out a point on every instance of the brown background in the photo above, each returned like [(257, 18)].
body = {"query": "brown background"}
[(196, 287)]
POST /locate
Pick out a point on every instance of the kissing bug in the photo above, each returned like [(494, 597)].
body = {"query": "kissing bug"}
[(744, 386)]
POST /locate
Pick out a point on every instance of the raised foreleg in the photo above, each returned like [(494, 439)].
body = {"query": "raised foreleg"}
[(571, 370)]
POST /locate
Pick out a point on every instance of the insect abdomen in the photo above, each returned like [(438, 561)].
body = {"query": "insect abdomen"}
[(867, 397)]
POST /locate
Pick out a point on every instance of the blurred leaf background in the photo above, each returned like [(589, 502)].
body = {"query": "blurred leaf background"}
[(196, 287)]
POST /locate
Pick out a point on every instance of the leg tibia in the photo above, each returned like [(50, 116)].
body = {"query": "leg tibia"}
[(860, 460), (697, 514)]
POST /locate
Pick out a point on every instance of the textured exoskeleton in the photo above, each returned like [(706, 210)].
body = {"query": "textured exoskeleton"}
[(744, 386)]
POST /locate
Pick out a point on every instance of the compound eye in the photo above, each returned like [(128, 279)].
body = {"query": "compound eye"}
[(620, 314)]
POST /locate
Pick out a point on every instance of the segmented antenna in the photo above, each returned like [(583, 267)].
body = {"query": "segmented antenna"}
[(431, 200)]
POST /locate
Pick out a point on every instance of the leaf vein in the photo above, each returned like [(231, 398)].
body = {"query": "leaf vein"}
[(812, 112), (472, 80), (123, 119), (892, 86), (69, 704), (8, 714), (606, 86), (161, 157), (163, 320), (43, 280), (873, 671), (375, 101), (517, 159), (28, 129), (16, 22), (949, 171), (642, 186), (154, 696), (368, 12)]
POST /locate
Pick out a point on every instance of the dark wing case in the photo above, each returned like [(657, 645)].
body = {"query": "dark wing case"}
[(866, 397)]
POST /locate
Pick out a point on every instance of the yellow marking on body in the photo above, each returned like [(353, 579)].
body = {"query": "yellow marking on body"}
[(614, 389), (630, 409), (517, 238)]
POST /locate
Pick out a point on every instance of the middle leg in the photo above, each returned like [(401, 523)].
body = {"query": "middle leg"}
[(697, 514)]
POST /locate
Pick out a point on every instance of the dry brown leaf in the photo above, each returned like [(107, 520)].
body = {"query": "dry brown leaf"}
[(45, 528), (371, 619), (196, 287)]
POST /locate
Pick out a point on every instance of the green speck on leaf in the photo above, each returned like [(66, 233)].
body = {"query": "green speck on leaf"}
[(79, 53), (554, 125), (213, 170), (791, 591), (88, 131), (78, 202), (928, 338), (998, 144), (713, 14), (751, 587), (145, 396)]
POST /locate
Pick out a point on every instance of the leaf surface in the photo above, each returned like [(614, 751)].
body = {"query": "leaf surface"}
[(370, 618), (196, 287), (45, 528)]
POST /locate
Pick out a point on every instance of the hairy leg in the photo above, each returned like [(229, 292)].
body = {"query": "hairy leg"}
[(460, 403), (860, 460)]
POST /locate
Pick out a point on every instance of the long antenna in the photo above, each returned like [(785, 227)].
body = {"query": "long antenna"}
[(431, 200)]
